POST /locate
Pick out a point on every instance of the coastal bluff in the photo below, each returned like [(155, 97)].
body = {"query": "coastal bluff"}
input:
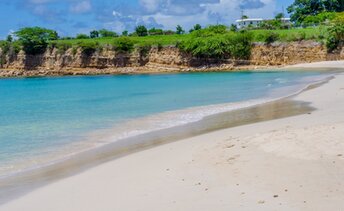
[(157, 59)]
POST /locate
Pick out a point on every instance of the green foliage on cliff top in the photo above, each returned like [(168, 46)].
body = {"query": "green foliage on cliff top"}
[(313, 33), (216, 42), (335, 40), (35, 39)]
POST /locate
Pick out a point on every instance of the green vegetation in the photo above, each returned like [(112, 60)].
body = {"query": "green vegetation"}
[(89, 48), (107, 33), (216, 42), (195, 28), (154, 31), (301, 10), (124, 44), (94, 34), (35, 40), (82, 36), (141, 31), (180, 30), (336, 33), (320, 21)]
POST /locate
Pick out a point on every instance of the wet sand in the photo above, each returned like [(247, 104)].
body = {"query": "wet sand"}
[(14, 186), (290, 163)]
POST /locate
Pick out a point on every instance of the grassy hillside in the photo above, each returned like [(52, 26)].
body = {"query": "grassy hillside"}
[(317, 33)]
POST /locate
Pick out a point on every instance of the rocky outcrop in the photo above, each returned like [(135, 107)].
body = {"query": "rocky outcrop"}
[(108, 61)]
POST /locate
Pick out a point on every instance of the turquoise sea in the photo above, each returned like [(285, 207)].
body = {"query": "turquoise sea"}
[(45, 119)]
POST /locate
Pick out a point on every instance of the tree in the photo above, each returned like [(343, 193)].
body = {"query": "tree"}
[(196, 28), (300, 9), (334, 5), (82, 36), (107, 33), (279, 16), (244, 17), (9, 38), (233, 28), (94, 34), (179, 30), (141, 31), (35, 39), (125, 33)]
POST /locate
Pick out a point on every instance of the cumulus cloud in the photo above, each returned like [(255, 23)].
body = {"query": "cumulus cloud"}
[(122, 15), (169, 13)]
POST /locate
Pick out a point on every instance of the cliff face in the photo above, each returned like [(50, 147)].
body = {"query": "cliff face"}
[(107, 61)]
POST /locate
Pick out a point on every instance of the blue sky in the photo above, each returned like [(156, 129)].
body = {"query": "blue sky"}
[(70, 17)]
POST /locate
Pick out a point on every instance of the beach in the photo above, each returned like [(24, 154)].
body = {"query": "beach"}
[(293, 163)]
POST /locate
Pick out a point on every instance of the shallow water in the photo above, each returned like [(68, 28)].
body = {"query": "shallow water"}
[(45, 119)]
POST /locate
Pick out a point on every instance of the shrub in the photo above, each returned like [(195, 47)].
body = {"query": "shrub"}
[(10, 47), (336, 33), (234, 45), (62, 47), (16, 47), (270, 37), (89, 47), (5, 46), (240, 45), (107, 33), (154, 31), (82, 36), (336, 37), (124, 44)]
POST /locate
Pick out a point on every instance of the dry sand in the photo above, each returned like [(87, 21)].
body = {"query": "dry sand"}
[(295, 163), (325, 64)]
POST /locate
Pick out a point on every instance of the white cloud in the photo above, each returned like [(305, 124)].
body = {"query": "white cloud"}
[(169, 13), (81, 7)]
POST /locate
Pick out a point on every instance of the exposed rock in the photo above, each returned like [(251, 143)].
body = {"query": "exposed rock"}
[(164, 59)]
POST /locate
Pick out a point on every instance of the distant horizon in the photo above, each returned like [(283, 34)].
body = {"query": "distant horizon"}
[(71, 17)]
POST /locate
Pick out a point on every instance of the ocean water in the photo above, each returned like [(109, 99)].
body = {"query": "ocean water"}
[(45, 119)]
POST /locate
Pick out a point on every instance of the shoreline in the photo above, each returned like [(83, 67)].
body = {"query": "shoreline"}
[(183, 143), (13, 73), (275, 108)]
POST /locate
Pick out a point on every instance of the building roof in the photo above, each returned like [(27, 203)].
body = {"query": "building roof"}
[(258, 19), (250, 19)]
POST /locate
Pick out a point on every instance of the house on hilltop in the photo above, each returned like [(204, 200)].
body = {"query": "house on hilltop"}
[(255, 22)]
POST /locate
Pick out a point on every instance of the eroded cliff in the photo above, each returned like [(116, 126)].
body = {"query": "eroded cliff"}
[(155, 59)]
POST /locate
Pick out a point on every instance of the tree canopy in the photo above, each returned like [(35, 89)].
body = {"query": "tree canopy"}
[(94, 34), (300, 9), (141, 31), (180, 30), (35, 39), (107, 33), (82, 36)]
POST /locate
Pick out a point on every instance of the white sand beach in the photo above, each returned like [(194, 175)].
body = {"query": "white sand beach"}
[(325, 64), (295, 163)]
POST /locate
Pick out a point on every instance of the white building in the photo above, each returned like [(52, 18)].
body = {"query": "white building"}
[(254, 22)]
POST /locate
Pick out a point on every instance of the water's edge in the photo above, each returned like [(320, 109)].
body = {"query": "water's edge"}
[(21, 184)]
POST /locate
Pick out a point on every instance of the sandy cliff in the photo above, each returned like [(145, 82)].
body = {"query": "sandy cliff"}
[(108, 61)]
